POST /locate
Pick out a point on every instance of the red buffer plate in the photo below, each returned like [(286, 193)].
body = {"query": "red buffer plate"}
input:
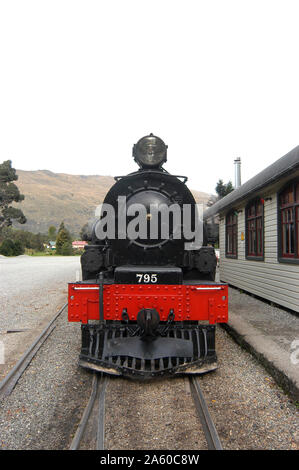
[(189, 302)]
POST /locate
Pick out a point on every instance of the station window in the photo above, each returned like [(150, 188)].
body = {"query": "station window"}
[(288, 223), (255, 230), (231, 249)]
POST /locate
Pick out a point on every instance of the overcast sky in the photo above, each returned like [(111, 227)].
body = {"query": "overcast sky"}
[(81, 82)]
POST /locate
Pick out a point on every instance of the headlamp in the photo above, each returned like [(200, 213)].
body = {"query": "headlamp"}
[(150, 152)]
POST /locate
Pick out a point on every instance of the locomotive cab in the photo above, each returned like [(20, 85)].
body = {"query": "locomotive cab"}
[(148, 302)]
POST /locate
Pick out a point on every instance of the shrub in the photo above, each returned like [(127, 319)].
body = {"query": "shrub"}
[(66, 249), (63, 238), (10, 248), (19, 249)]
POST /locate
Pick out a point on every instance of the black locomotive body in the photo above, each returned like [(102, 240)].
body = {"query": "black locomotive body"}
[(148, 301)]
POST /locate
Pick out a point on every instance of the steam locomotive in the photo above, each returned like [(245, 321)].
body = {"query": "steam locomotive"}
[(148, 301)]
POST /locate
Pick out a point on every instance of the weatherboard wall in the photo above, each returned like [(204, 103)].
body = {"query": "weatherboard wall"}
[(269, 279)]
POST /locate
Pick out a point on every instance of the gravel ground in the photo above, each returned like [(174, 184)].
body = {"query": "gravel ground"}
[(35, 288), (270, 334), (269, 320), (152, 415), (30, 282), (249, 410), (48, 401)]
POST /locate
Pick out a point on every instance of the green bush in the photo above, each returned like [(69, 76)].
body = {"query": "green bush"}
[(64, 241), (10, 248), (19, 249), (66, 249)]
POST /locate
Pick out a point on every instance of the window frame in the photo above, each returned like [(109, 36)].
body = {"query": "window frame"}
[(295, 212), (235, 228), (255, 218)]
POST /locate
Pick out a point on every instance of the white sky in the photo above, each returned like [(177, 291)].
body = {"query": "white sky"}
[(81, 82)]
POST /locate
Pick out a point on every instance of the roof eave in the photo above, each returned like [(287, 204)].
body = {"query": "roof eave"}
[(236, 196)]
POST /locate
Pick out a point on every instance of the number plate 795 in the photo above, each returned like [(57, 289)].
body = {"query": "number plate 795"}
[(147, 278)]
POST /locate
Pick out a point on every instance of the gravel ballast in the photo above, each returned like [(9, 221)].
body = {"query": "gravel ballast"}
[(34, 289), (249, 410), (46, 405)]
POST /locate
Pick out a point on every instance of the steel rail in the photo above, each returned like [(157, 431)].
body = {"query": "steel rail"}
[(209, 429), (10, 380), (85, 417), (100, 444), (94, 410)]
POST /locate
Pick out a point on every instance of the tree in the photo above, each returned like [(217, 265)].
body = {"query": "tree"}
[(29, 240), (52, 233), (9, 193), (10, 248), (61, 227), (6, 232), (39, 242), (7, 247), (223, 189), (66, 249), (19, 248), (84, 232), (63, 241)]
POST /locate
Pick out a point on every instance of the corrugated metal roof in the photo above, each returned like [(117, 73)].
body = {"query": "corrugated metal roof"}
[(269, 175)]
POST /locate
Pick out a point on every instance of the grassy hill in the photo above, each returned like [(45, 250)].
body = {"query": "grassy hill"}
[(53, 197)]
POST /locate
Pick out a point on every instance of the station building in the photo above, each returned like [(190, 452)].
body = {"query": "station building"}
[(259, 233)]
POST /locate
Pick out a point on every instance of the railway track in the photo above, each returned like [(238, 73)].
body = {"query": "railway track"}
[(90, 434), (208, 426), (9, 382)]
